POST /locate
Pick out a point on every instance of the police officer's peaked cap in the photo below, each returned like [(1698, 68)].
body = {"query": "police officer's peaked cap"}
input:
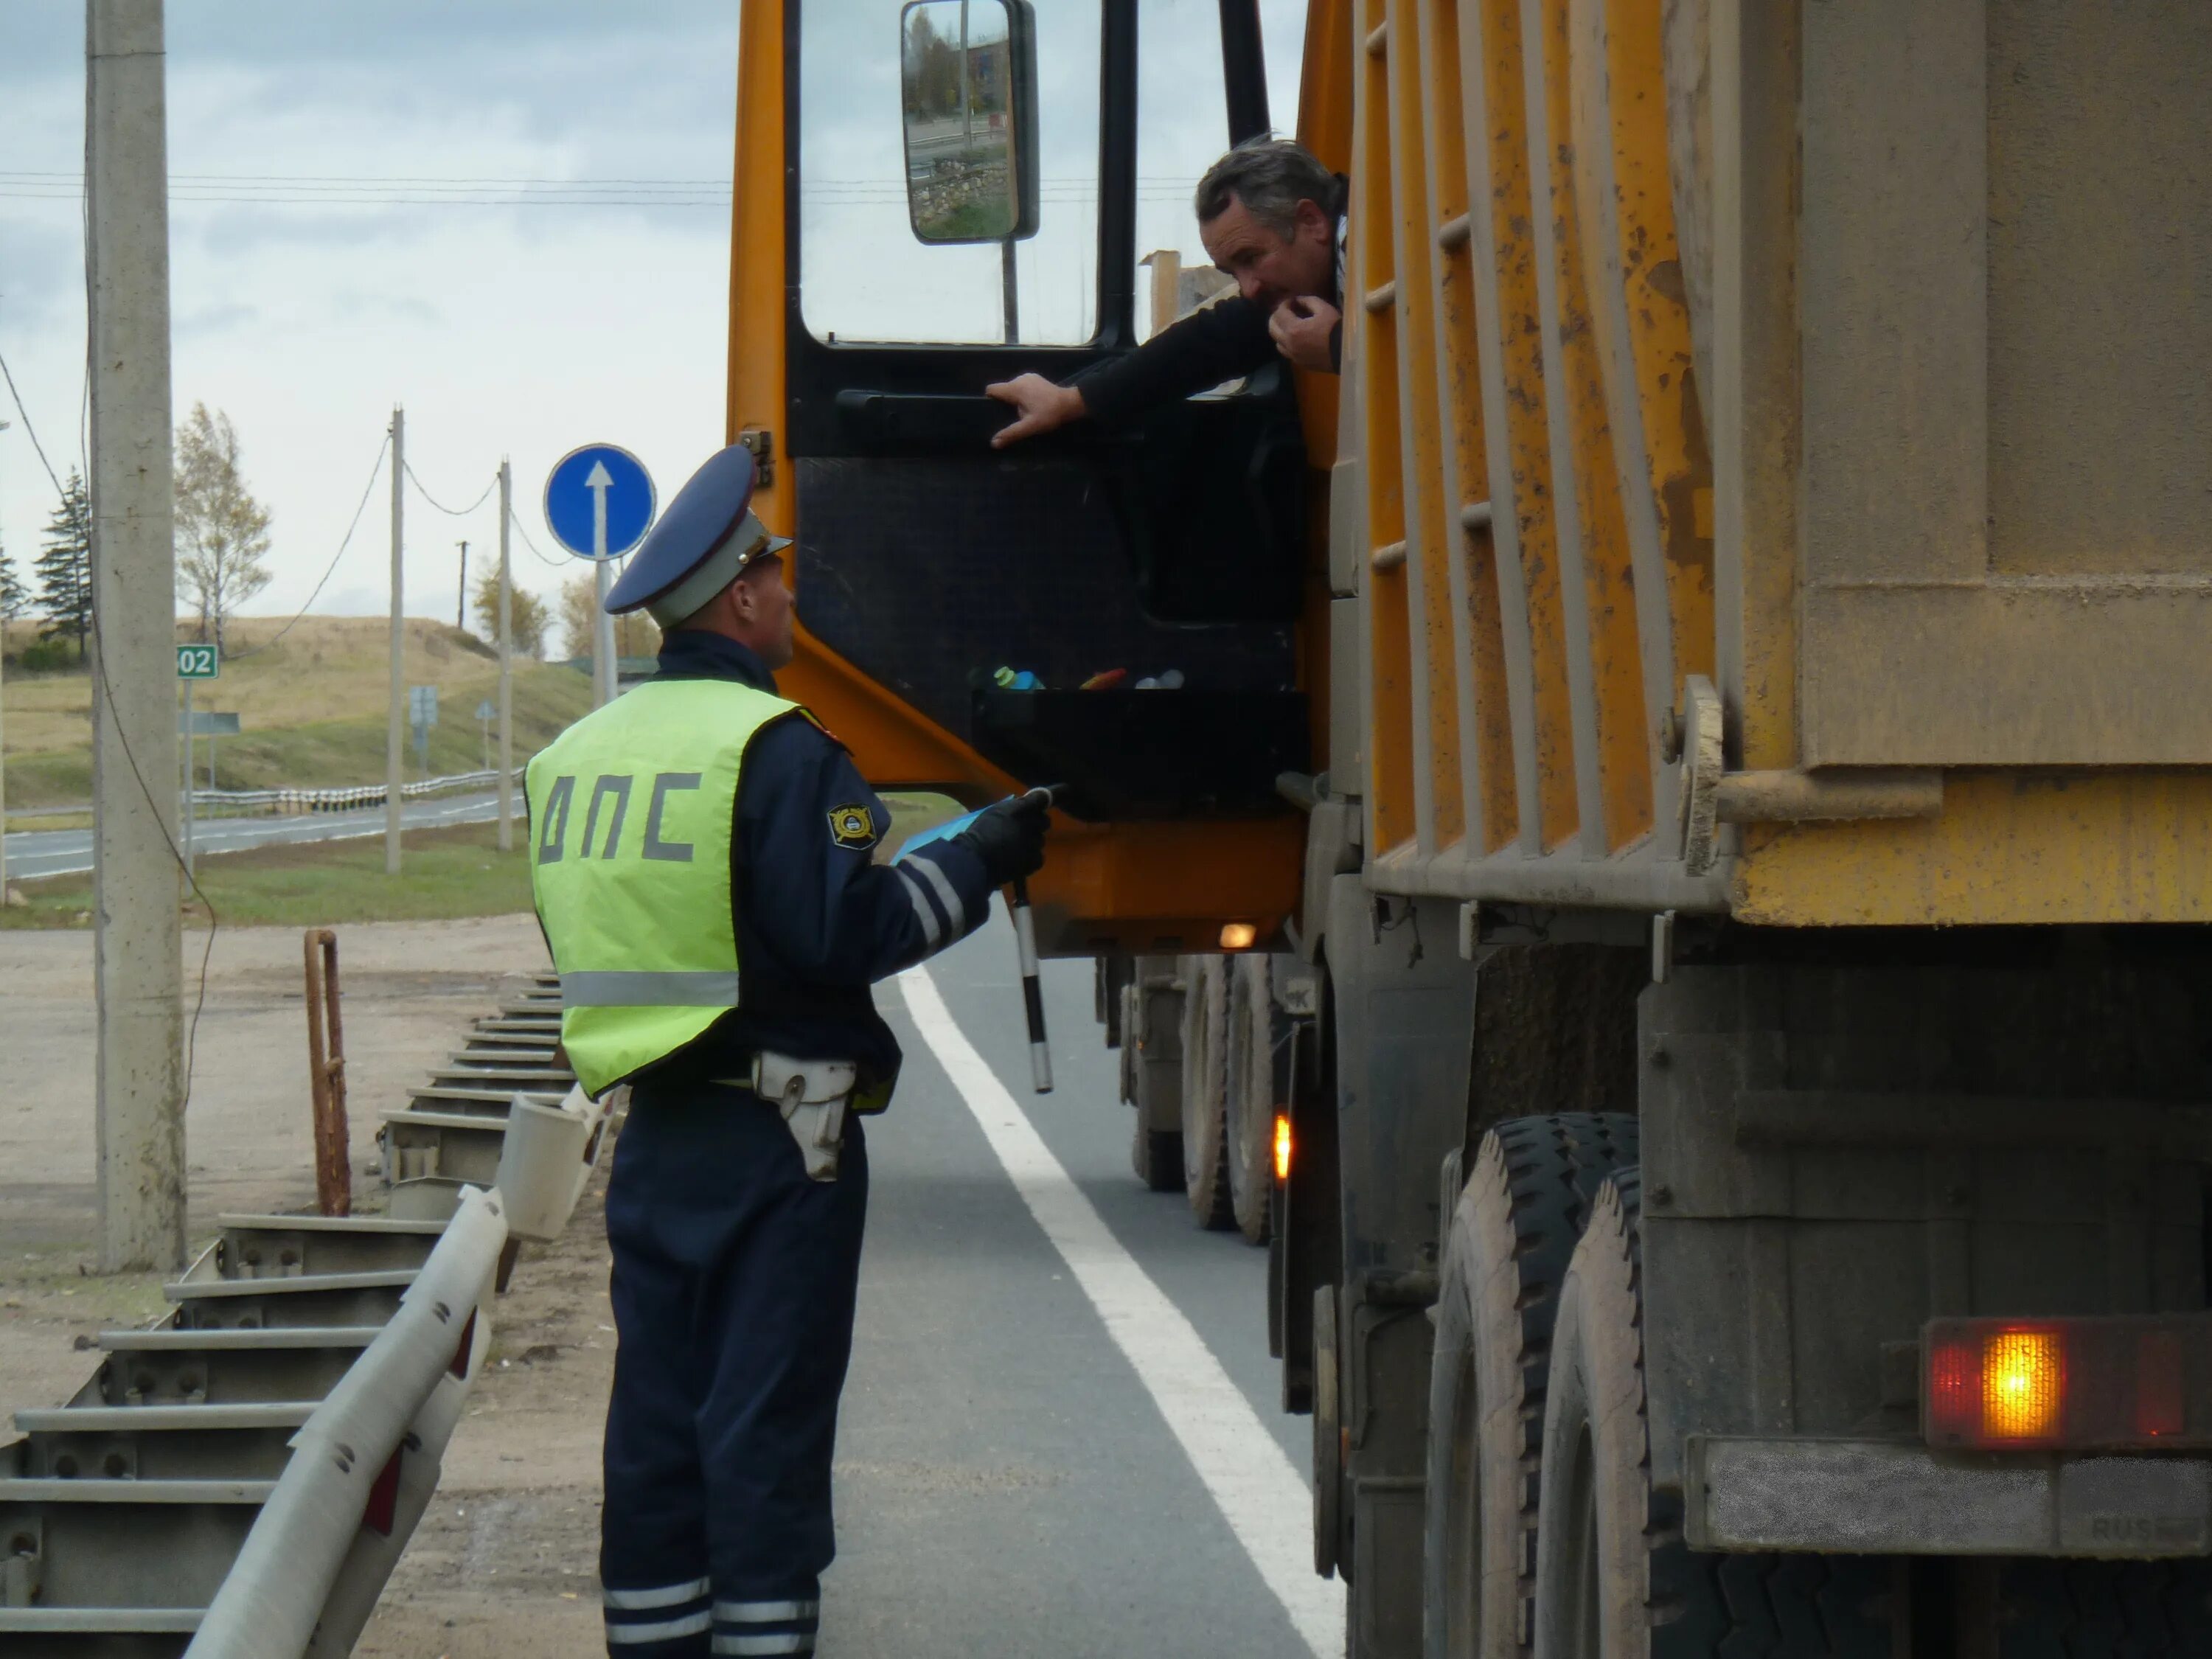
[(701, 544)]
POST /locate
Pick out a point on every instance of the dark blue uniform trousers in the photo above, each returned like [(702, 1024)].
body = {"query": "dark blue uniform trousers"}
[(733, 1285)]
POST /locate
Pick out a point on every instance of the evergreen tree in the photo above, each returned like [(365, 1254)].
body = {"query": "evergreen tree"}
[(15, 596), (64, 568)]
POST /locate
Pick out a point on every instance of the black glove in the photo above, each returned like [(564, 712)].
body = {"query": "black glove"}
[(1009, 837)]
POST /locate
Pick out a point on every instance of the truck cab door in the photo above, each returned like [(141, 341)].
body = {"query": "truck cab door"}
[(1149, 582)]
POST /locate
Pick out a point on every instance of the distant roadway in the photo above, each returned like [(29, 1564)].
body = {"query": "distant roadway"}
[(35, 852)]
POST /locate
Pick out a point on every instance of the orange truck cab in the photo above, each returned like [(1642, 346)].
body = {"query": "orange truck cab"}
[(927, 563)]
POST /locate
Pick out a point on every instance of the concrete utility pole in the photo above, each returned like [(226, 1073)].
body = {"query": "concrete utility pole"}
[(137, 937), (461, 603), (395, 746), (506, 663)]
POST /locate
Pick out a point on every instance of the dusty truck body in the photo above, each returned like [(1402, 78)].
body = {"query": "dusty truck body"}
[(1701, 731)]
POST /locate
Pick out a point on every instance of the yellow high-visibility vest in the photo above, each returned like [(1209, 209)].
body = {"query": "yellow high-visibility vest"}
[(631, 813)]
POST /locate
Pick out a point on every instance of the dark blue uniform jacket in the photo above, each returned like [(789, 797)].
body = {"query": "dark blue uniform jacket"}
[(819, 921)]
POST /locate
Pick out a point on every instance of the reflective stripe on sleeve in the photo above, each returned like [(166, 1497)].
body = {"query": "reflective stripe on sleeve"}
[(949, 896), (691, 1624), (628, 988), (933, 931), (668, 1596), (765, 1613)]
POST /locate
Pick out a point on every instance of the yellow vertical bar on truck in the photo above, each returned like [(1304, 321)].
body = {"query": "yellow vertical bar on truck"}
[(1641, 320), (1479, 676), (1509, 359), (1370, 300), (1433, 642), (1603, 592)]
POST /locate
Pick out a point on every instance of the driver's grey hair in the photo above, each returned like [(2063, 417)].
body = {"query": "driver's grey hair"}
[(1270, 177)]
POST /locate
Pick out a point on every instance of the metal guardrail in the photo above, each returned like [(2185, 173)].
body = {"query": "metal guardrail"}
[(244, 1475), (356, 1439), (287, 803)]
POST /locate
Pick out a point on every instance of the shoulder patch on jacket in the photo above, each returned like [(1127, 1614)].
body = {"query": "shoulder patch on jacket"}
[(851, 826)]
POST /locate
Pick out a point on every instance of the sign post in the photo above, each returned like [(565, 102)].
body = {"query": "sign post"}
[(599, 502), (484, 713), (194, 662), (423, 715)]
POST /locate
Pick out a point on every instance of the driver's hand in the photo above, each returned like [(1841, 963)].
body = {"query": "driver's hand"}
[(1039, 406), (1303, 328)]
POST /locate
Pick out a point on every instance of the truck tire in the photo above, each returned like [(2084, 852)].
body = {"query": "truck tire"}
[(1257, 1036), (1511, 1237), (1204, 1092), (2104, 1609), (1614, 1579), (1156, 1156)]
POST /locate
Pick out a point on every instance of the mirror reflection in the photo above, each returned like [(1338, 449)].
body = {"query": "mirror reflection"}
[(957, 84)]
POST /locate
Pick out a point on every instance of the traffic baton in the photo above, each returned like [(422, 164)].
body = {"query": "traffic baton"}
[(1032, 991), (1018, 902)]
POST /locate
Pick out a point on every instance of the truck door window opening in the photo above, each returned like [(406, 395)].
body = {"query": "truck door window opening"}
[(863, 276)]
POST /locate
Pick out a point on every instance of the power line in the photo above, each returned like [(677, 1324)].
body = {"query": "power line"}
[(374, 472), (557, 564), (450, 512), (467, 181), (30, 427)]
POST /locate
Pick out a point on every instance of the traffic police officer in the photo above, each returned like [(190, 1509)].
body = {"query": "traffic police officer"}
[(702, 857)]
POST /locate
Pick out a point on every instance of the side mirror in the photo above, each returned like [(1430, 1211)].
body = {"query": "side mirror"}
[(968, 90)]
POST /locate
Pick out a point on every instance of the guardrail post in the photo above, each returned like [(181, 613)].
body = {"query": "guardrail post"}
[(326, 1074)]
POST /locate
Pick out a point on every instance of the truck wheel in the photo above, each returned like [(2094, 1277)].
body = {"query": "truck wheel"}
[(1512, 1234), (1156, 1155), (1204, 1092), (1614, 1579), (2094, 1609), (1258, 1034)]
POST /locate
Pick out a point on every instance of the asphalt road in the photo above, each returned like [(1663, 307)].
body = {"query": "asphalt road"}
[(35, 852), (1061, 1432)]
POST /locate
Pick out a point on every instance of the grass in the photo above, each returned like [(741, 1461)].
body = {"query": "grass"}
[(444, 874), (311, 706)]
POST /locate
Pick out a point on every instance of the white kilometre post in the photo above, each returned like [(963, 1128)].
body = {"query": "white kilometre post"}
[(192, 812), (603, 626), (137, 937), (506, 663), (395, 749)]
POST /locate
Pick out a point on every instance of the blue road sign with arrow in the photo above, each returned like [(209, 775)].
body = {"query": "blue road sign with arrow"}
[(599, 500)]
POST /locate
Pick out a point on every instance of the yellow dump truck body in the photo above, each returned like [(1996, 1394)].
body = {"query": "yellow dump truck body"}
[(1774, 472)]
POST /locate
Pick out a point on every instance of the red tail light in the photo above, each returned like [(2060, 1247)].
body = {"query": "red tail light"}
[(2067, 1385)]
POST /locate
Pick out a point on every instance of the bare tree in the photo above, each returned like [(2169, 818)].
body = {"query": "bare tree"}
[(222, 532), (635, 635), (527, 614)]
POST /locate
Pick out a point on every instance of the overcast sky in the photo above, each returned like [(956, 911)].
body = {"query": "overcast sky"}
[(346, 235)]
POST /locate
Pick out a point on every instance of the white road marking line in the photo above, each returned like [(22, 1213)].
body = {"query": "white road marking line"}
[(1265, 1500)]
